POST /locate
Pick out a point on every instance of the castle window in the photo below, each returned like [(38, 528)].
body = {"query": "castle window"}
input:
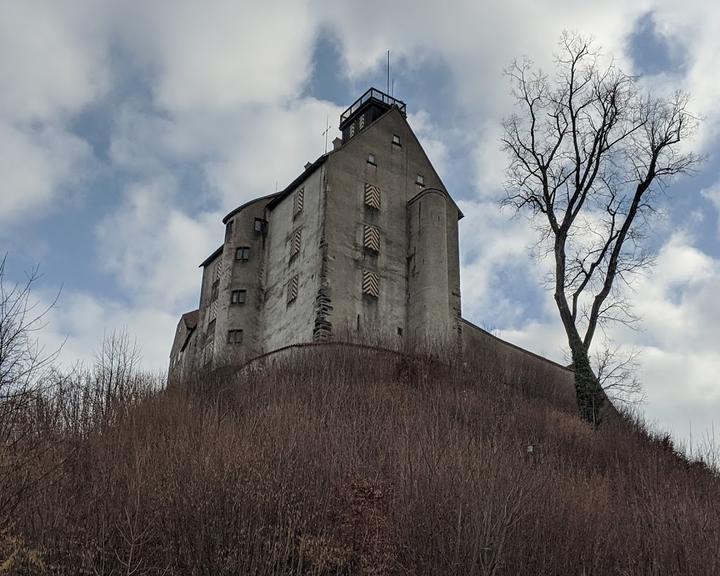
[(242, 253), (235, 336), (420, 180), (214, 290), (396, 140), (292, 289), (238, 296), (371, 238), (295, 243), (260, 225), (299, 202), (370, 284), (372, 196), (352, 129), (228, 230), (361, 122), (371, 159)]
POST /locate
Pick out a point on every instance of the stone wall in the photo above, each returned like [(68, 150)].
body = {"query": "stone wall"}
[(517, 364)]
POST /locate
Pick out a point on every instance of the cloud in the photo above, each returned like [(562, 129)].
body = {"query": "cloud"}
[(153, 249), (36, 164), (220, 56), (80, 321), (52, 58)]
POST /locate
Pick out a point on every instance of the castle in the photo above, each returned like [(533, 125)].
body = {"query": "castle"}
[(364, 242)]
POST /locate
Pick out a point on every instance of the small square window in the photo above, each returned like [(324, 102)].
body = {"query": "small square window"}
[(235, 336), (238, 296), (420, 180), (396, 140), (371, 159), (292, 289), (214, 290), (242, 253), (260, 225)]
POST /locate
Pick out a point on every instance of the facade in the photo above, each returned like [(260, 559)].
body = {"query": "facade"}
[(363, 243)]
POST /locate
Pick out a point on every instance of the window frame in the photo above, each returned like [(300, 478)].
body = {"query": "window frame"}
[(232, 336), (237, 301), (244, 252)]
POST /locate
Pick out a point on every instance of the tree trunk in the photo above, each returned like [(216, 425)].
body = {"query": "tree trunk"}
[(591, 398)]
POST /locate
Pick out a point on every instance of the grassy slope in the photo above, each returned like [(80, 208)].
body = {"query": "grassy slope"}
[(354, 462)]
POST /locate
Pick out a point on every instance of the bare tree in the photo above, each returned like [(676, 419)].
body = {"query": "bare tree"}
[(588, 154), (24, 364)]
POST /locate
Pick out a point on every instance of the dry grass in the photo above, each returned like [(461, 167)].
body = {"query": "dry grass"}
[(343, 461)]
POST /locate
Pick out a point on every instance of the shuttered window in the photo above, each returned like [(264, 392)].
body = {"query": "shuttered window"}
[(370, 284), (372, 196), (292, 289), (299, 202), (295, 243), (371, 238)]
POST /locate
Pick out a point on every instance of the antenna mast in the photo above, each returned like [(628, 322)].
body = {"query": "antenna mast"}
[(388, 72)]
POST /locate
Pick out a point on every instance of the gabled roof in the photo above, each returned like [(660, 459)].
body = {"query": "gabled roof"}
[(299, 180), (212, 257)]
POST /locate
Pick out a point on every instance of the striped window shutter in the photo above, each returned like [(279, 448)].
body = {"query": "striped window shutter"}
[(299, 201), (295, 243), (372, 196), (370, 284), (292, 289), (371, 238)]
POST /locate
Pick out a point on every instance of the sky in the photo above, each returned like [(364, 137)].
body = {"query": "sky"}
[(129, 129)]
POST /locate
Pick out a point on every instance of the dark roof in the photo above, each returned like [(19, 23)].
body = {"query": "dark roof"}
[(231, 214), (295, 183), (191, 319), (212, 257)]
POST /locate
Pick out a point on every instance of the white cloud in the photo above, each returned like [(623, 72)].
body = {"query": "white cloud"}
[(80, 321), (222, 55), (52, 58), (154, 249), (35, 164)]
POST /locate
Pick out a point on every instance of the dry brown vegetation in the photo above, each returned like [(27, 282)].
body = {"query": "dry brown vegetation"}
[(346, 461)]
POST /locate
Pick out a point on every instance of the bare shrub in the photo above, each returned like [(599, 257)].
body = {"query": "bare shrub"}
[(341, 460)]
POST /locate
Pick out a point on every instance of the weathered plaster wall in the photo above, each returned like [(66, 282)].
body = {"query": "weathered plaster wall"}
[(286, 323), (395, 173), (241, 275)]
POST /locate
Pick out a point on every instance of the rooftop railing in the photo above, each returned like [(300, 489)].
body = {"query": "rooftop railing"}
[(372, 93)]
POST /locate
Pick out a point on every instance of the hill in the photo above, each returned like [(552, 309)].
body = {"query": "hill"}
[(339, 460)]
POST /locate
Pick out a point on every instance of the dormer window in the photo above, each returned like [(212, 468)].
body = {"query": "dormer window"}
[(420, 180), (371, 159)]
